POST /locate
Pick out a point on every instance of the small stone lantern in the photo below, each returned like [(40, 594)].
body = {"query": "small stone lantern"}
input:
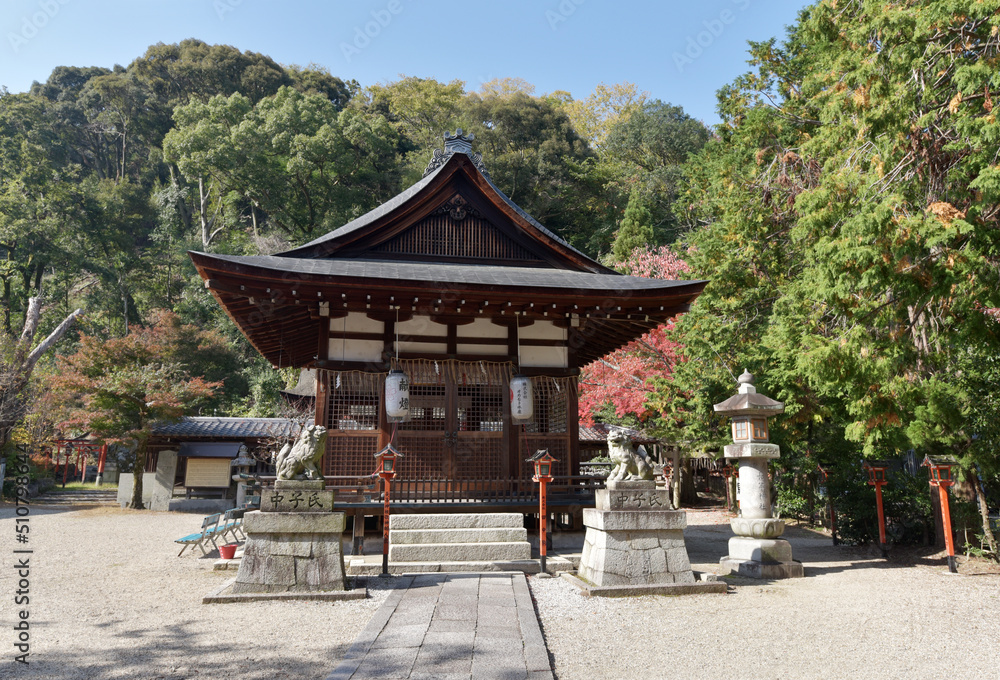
[(241, 466), (755, 551)]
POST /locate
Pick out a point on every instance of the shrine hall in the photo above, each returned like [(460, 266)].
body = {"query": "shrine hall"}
[(453, 284)]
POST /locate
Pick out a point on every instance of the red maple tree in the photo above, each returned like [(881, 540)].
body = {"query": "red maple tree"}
[(623, 378), (118, 389)]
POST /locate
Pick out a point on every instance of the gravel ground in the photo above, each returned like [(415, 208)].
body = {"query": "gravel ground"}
[(853, 616), (110, 599)]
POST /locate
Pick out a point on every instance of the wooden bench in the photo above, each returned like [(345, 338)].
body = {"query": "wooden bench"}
[(209, 530), (232, 522)]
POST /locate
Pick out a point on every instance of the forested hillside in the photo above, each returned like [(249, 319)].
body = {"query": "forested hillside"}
[(109, 176)]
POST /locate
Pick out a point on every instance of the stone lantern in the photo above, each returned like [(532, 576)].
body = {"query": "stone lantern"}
[(756, 550), (241, 466)]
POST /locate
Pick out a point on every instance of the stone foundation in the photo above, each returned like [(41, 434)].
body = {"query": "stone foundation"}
[(763, 570), (634, 538), (293, 552), (757, 552)]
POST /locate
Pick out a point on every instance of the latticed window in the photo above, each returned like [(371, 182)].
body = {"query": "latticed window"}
[(456, 427), (353, 399), (427, 408), (549, 428), (353, 403), (480, 408)]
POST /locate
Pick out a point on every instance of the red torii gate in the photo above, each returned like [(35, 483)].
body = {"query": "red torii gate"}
[(64, 448)]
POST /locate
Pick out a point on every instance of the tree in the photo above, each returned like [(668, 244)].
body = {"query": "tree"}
[(291, 159), (629, 378), (635, 231), (421, 110), (645, 153), (118, 389), (192, 69), (849, 227), (603, 109), (17, 363)]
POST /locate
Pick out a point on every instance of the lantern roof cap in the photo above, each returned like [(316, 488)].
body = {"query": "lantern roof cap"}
[(747, 402), (541, 454), (939, 461), (389, 449)]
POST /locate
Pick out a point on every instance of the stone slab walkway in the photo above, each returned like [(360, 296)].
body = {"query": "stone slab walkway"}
[(445, 626)]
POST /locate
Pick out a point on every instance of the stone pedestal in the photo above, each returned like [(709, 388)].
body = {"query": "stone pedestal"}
[(756, 551), (293, 542), (634, 537)]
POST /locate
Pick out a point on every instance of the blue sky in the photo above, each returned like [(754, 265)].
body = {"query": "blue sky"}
[(680, 52)]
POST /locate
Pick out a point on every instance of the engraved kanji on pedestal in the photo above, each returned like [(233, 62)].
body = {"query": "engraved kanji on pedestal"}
[(634, 537)]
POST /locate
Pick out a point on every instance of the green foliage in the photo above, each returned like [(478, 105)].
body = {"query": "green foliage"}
[(849, 245), (647, 151), (906, 501), (635, 230), (307, 167)]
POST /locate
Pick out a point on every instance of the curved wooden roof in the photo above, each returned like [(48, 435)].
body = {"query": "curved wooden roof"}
[(452, 246)]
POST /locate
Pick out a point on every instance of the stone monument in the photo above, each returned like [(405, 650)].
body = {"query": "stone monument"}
[(294, 540), (634, 537), (756, 551)]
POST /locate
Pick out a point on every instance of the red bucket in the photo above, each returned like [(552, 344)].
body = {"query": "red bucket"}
[(228, 551)]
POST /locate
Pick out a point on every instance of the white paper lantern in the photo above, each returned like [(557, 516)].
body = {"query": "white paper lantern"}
[(521, 398), (397, 395)]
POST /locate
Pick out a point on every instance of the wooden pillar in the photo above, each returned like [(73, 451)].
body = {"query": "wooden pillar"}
[(507, 466), (322, 392), (451, 457), (573, 411), (388, 350), (512, 436), (322, 380), (358, 546)]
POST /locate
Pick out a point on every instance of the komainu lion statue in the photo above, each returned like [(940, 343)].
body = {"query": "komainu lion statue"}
[(298, 460), (631, 464)]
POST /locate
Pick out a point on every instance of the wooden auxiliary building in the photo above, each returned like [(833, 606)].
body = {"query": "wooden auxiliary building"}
[(461, 289)]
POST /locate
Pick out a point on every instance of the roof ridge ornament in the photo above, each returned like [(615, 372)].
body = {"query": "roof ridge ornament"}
[(457, 143)]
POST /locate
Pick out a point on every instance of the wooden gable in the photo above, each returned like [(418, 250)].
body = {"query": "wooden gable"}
[(459, 232), (457, 216)]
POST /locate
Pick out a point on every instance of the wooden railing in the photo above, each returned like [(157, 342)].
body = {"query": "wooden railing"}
[(563, 490)]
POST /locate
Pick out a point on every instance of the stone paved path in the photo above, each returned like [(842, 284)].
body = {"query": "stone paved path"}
[(446, 626)]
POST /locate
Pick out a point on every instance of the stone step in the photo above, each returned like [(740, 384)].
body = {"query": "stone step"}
[(76, 498), (360, 568), (485, 520), (488, 535), (460, 552)]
